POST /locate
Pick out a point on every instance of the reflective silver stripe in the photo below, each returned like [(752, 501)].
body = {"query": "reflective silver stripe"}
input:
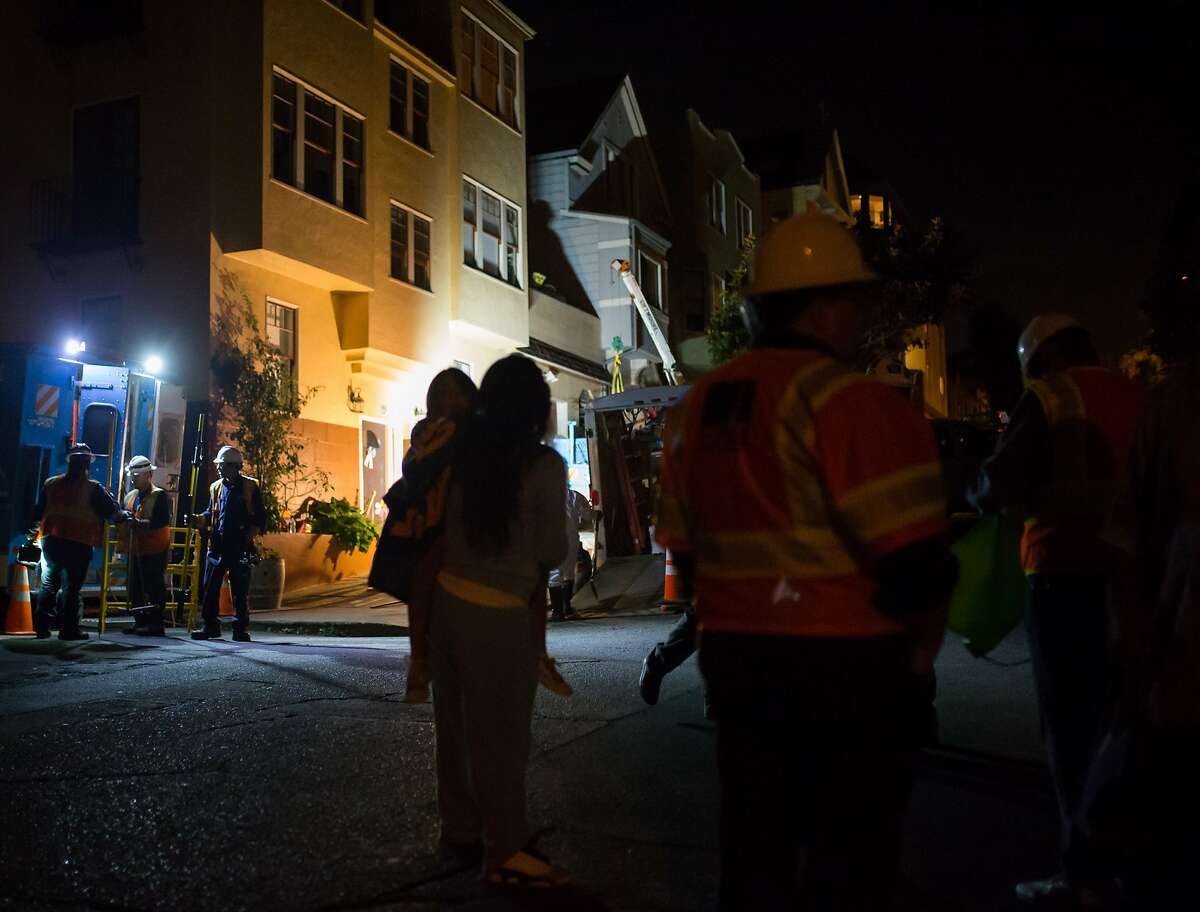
[(804, 552), (884, 505)]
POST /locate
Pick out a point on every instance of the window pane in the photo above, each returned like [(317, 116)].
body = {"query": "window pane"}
[(420, 113), (318, 147), (648, 271), (399, 243), (491, 233), (421, 252), (466, 57), (470, 220), (512, 245), (876, 204), (352, 164), (398, 100), (508, 88), (489, 70), (283, 130)]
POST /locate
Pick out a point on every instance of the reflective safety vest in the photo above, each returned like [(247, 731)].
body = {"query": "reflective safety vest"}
[(1092, 415), (249, 486), (787, 476), (68, 510), (146, 541)]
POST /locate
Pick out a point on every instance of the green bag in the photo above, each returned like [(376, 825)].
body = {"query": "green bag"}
[(989, 600)]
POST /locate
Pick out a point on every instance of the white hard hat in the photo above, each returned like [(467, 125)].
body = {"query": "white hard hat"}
[(1040, 329), (807, 251), (229, 454), (139, 464)]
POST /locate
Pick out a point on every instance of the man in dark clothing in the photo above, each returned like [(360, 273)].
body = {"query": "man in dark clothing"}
[(71, 510), (234, 518)]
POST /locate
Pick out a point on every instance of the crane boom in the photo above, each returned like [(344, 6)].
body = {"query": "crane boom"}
[(651, 324)]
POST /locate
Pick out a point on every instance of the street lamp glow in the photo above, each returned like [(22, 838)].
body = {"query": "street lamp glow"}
[(75, 346), (154, 365)]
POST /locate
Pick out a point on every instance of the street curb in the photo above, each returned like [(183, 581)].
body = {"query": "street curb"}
[(329, 628)]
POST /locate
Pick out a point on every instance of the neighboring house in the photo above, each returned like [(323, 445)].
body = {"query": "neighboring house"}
[(716, 204), (799, 171), (596, 194), (355, 169)]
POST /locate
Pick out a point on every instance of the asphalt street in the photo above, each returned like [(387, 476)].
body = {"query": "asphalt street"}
[(288, 774)]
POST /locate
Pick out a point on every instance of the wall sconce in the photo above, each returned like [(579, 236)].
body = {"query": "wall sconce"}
[(354, 399)]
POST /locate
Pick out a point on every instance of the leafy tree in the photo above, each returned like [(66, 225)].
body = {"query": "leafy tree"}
[(257, 400), (727, 336)]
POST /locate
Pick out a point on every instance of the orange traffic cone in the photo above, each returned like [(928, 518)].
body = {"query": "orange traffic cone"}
[(19, 620), (670, 585), (226, 600)]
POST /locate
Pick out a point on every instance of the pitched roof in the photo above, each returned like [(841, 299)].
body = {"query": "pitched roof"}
[(560, 116)]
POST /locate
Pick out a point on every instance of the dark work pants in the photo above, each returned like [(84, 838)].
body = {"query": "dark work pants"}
[(64, 567), (813, 752), (215, 568), (1067, 622), (679, 645), (560, 599), (147, 581)]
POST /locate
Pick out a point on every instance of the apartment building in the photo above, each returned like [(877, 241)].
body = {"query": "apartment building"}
[(355, 170)]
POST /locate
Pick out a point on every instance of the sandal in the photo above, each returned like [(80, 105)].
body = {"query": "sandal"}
[(527, 870)]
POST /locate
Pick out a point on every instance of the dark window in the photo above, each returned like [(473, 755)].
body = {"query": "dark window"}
[(399, 243), (490, 234), (352, 164), (283, 130), (508, 89), (420, 112), (281, 332), (319, 118), (350, 7), (512, 246), (470, 221), (466, 57), (489, 71), (398, 106), (420, 252), (106, 166), (99, 428)]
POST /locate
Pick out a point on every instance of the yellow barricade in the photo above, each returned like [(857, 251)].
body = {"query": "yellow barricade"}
[(183, 572)]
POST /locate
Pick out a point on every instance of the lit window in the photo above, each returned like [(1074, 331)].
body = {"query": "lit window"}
[(281, 331), (488, 70), (745, 222), (411, 248), (408, 106), (876, 210), (491, 233), (856, 205), (316, 145), (716, 205)]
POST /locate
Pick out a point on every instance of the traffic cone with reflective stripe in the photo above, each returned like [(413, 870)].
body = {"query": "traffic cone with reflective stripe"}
[(670, 599), (19, 619), (226, 600)]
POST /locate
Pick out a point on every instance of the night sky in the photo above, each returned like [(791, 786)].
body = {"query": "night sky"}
[(1053, 145)]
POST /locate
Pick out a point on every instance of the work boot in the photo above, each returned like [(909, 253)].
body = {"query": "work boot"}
[(241, 636), (71, 635), (207, 633), (42, 633), (152, 623), (651, 678)]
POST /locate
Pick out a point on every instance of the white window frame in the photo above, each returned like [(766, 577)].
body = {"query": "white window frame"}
[(717, 205), (470, 91), (411, 214), (277, 302), (340, 111), (506, 204), (744, 229), (409, 110)]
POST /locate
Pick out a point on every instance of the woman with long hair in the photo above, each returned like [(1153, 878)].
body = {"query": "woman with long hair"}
[(503, 533)]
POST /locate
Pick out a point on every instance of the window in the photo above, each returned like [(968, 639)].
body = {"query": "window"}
[(488, 70), (317, 145), (352, 8), (745, 222), (281, 331), (283, 129), (876, 210), (408, 112), (491, 233), (105, 169), (718, 289), (410, 247), (650, 278), (716, 205), (855, 205)]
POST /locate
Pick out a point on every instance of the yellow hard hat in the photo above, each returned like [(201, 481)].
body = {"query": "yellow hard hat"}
[(807, 251), (1040, 329)]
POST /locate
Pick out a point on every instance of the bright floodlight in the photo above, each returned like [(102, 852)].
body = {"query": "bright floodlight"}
[(154, 364), (75, 346)]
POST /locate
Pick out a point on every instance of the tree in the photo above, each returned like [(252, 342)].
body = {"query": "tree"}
[(727, 335), (258, 399)]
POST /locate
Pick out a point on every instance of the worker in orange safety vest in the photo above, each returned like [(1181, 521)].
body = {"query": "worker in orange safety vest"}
[(804, 505), (148, 545), (70, 514), (1060, 464)]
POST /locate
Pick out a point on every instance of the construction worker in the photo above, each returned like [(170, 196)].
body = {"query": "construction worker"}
[(804, 506), (149, 542), (70, 512), (1060, 464), (234, 518)]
